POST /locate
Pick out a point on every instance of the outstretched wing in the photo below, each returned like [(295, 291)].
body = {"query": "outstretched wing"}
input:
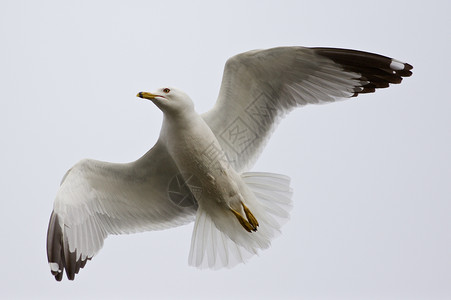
[(261, 86), (98, 198)]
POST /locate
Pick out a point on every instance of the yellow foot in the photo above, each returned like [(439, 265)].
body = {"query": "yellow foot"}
[(250, 223), (250, 217)]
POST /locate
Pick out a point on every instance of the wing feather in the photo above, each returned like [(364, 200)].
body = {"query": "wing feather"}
[(96, 199), (259, 87)]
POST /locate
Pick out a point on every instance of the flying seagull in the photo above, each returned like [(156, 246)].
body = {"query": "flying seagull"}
[(198, 170)]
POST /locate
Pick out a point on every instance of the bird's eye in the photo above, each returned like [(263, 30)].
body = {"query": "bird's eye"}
[(166, 90)]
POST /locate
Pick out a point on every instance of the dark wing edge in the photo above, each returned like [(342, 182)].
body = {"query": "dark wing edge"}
[(376, 70), (58, 254)]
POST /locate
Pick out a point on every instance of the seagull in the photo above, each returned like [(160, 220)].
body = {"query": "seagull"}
[(198, 170)]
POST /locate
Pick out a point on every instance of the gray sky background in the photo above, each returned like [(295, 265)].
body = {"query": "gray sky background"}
[(371, 175)]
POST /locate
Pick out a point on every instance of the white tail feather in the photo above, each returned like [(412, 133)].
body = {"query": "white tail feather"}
[(223, 242), (211, 248)]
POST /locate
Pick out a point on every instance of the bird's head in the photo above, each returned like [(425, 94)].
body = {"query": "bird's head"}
[(169, 100)]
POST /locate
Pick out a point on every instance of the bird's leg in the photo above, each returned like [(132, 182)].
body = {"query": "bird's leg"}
[(246, 225), (250, 217), (250, 223)]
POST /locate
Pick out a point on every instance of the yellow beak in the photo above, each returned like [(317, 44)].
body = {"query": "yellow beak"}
[(146, 95)]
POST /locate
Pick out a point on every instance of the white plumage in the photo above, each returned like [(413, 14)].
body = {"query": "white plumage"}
[(236, 213)]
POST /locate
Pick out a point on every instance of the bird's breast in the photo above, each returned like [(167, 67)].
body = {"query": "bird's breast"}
[(197, 153)]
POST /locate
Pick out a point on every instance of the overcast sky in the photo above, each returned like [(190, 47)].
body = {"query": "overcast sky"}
[(371, 176)]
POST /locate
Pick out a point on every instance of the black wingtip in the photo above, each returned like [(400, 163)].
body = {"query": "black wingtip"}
[(59, 276), (405, 73), (58, 253), (55, 254), (377, 71)]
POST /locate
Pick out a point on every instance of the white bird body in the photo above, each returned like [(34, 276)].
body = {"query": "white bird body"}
[(208, 156), (188, 139), (220, 192)]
